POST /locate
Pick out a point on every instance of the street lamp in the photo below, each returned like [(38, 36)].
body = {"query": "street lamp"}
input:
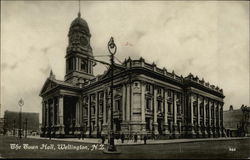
[(20, 103), (26, 127), (112, 50), (14, 128)]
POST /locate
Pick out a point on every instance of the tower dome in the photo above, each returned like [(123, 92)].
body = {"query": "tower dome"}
[(79, 24)]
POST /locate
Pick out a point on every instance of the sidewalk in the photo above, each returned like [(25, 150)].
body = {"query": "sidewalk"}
[(139, 142)]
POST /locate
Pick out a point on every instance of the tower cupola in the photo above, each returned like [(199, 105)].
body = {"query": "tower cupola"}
[(79, 52)]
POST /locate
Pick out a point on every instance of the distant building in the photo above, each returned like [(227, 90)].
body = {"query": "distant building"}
[(237, 122), (11, 122), (1, 125)]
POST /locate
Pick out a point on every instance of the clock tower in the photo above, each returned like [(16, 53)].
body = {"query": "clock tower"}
[(79, 66)]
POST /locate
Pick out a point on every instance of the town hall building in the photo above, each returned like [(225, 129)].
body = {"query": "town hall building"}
[(147, 100)]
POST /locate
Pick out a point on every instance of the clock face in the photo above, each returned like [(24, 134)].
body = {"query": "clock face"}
[(84, 41)]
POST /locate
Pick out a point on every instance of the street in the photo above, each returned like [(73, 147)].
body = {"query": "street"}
[(12, 147)]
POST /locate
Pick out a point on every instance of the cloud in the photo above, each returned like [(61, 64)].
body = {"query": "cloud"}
[(6, 66), (45, 71), (209, 39)]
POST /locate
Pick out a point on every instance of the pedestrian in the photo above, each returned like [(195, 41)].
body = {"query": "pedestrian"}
[(122, 137), (135, 138), (82, 135), (145, 139), (103, 139)]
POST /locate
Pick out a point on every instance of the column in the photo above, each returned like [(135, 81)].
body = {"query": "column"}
[(57, 114), (175, 113), (89, 116), (215, 118), (210, 119), (191, 132), (104, 108), (166, 132), (77, 64), (104, 117), (218, 123), (209, 113), (205, 117), (43, 118), (96, 114), (47, 113), (198, 116), (128, 103), (143, 102), (192, 110), (123, 102), (155, 112), (204, 112), (77, 123), (52, 113), (80, 112), (198, 113), (60, 114), (43, 114), (143, 120), (132, 101)]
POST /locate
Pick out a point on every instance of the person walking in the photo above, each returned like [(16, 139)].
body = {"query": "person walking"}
[(122, 137), (145, 139), (135, 138), (103, 139)]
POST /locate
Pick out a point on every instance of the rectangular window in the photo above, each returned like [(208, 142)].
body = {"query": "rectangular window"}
[(147, 124), (70, 64), (101, 108), (207, 114), (148, 87), (118, 105), (201, 110), (212, 112), (178, 96), (84, 65), (159, 106), (159, 91), (148, 103), (85, 111), (169, 108), (93, 110), (178, 108), (195, 108)]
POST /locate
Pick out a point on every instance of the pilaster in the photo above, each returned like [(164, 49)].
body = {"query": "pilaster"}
[(166, 130), (190, 132), (155, 124), (143, 120)]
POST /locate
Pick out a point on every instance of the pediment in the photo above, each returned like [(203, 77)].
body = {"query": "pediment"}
[(48, 85)]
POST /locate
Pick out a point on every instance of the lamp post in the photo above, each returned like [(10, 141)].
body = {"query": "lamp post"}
[(112, 50), (26, 127), (14, 126), (20, 103)]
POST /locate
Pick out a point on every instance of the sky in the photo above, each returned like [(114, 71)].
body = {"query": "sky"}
[(210, 39)]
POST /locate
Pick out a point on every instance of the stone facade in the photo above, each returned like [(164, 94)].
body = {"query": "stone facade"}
[(147, 99)]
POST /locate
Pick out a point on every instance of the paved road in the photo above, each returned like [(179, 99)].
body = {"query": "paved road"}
[(217, 148)]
